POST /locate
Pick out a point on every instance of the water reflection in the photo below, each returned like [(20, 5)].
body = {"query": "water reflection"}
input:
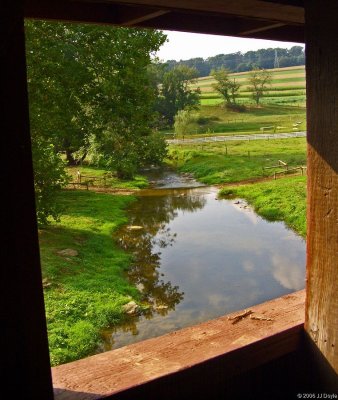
[(197, 257), (150, 236)]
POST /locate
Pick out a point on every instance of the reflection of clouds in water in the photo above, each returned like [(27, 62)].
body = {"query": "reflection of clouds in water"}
[(248, 265), (289, 236), (287, 273), (248, 212), (218, 301), (220, 241)]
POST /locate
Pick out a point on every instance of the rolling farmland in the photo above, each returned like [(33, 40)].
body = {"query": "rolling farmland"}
[(287, 88)]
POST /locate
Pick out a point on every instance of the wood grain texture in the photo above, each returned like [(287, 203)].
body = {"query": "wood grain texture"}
[(322, 212), (238, 347)]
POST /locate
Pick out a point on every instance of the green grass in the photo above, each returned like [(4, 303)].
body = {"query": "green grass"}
[(85, 293), (111, 181), (280, 200), (228, 162), (217, 119)]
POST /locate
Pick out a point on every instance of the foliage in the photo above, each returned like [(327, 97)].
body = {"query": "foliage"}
[(259, 80), (184, 123), (90, 84), (176, 94), (154, 149), (280, 200), (58, 84), (228, 88), (49, 177)]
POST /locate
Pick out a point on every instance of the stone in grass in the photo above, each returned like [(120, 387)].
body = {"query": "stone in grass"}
[(131, 308), (68, 252)]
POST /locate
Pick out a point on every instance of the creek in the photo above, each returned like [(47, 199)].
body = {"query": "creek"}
[(197, 257)]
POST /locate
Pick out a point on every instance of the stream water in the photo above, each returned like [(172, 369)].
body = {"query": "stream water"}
[(198, 257)]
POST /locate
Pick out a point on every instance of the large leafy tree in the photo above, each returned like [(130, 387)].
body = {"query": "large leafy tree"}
[(176, 93), (89, 85), (58, 83)]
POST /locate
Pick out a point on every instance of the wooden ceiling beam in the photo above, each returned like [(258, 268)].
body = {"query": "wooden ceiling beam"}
[(261, 29), (254, 9), (226, 26), (72, 11), (194, 21), (130, 16)]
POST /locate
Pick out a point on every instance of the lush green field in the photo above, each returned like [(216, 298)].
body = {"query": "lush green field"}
[(280, 200), (227, 162), (287, 88), (218, 120), (84, 292)]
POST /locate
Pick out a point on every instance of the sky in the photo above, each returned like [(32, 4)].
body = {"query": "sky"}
[(182, 45)]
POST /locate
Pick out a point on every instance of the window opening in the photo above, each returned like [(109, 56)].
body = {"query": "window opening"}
[(118, 269)]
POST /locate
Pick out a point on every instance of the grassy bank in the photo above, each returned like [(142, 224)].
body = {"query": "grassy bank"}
[(218, 120), (280, 200), (229, 162), (100, 177), (85, 290)]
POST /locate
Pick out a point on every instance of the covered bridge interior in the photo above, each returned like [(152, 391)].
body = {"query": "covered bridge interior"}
[(297, 354)]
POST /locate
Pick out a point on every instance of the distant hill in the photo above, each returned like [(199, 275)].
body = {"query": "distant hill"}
[(241, 62)]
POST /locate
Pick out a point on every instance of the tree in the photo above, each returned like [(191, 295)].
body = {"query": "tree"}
[(49, 177), (89, 84), (228, 88), (184, 122), (58, 84), (176, 93), (260, 80)]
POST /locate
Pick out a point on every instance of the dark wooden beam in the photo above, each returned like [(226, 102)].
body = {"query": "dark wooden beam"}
[(322, 208), (256, 9), (225, 26), (72, 11), (25, 368), (129, 16), (261, 29), (171, 18)]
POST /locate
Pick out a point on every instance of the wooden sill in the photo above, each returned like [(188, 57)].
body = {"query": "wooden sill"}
[(240, 347)]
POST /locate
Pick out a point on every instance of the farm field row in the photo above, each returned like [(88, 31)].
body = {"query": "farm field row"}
[(287, 87)]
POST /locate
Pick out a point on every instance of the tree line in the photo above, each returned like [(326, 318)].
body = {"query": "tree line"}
[(241, 62)]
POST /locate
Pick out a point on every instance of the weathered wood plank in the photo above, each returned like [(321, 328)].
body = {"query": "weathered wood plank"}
[(322, 214), (240, 347)]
